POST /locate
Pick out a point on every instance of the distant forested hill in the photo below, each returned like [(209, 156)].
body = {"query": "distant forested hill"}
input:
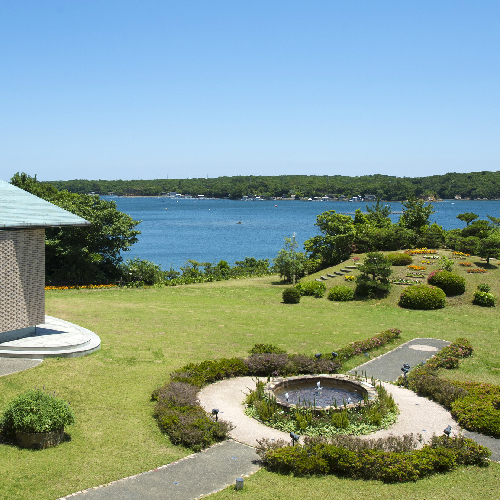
[(474, 185)]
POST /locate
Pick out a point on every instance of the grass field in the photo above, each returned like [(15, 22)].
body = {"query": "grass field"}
[(147, 333)]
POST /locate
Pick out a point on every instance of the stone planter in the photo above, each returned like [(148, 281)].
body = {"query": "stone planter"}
[(39, 440)]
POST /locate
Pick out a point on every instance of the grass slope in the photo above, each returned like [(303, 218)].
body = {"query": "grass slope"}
[(147, 333)]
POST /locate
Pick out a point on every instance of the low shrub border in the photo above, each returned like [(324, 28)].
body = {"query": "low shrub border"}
[(319, 456), (313, 288), (178, 412), (476, 407)]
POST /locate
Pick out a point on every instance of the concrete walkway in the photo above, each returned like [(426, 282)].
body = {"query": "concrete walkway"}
[(189, 478), (387, 367)]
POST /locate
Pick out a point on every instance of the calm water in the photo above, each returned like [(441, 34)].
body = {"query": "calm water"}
[(173, 231)]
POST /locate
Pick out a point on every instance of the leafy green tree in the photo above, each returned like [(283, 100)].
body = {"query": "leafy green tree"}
[(89, 254), (142, 272), (374, 278), (467, 217), (494, 220), (289, 263), (415, 214), (479, 229), (335, 244), (360, 217), (378, 215), (431, 236), (489, 247)]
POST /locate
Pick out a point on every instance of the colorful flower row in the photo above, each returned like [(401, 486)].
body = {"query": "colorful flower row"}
[(403, 281), (349, 278), (476, 270), (418, 251), (416, 268), (460, 254), (465, 264), (427, 262), (81, 287)]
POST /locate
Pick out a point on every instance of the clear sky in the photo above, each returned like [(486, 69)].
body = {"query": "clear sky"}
[(144, 89)]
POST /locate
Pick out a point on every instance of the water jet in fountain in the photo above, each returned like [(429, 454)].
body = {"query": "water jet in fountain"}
[(324, 392)]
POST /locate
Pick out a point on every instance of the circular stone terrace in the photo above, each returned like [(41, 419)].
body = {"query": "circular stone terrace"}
[(418, 415)]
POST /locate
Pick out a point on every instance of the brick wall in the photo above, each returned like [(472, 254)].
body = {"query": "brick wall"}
[(22, 279)]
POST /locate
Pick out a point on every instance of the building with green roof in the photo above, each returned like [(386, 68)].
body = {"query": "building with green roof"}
[(23, 219)]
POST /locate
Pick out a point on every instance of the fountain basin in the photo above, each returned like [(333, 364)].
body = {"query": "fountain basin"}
[(334, 391)]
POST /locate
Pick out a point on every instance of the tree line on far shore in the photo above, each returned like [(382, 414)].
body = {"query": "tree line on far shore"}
[(474, 185), (93, 254)]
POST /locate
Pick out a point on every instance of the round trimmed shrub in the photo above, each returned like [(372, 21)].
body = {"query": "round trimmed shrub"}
[(422, 297), (341, 293), (484, 299), (484, 287), (399, 259), (36, 411), (315, 288), (451, 283), (291, 296)]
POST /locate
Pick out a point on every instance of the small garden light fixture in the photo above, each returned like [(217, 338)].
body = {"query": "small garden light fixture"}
[(318, 355), (295, 437), (447, 431), (334, 354), (405, 369), (215, 413)]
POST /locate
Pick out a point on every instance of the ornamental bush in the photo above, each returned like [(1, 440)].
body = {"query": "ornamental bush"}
[(206, 372), (36, 411), (190, 426), (484, 287), (399, 259), (441, 455), (484, 299), (422, 297), (291, 296), (341, 293), (313, 288), (266, 349), (479, 411), (451, 283)]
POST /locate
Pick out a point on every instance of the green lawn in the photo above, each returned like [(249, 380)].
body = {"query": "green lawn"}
[(147, 333)]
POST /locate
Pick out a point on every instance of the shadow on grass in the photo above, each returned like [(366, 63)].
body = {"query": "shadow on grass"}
[(485, 265)]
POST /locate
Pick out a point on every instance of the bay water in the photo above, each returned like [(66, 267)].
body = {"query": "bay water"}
[(209, 230)]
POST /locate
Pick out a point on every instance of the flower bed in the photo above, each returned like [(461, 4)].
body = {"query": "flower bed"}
[(459, 255), (476, 271), (82, 287), (403, 281), (420, 251), (417, 268)]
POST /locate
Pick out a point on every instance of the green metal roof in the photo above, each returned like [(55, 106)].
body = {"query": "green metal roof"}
[(20, 209)]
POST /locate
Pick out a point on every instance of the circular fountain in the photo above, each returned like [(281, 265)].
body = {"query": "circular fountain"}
[(323, 392)]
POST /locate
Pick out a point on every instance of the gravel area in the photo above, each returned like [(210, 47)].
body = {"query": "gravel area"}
[(418, 415)]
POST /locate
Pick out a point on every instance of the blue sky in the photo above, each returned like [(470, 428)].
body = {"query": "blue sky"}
[(105, 89)]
